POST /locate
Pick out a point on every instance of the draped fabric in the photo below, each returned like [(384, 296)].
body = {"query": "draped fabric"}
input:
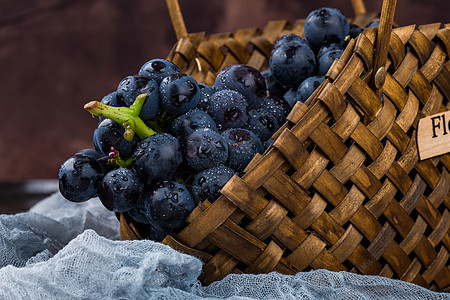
[(63, 250)]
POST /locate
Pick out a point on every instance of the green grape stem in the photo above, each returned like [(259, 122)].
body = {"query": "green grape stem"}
[(117, 160), (127, 116)]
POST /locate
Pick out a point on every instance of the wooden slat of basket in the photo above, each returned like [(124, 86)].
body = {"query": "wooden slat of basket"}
[(264, 224), (206, 223)]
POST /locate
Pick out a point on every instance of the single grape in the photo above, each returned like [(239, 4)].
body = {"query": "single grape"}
[(262, 123), (187, 123), (109, 134), (207, 183), (274, 88), (308, 86), (155, 233), (242, 147), (169, 204), (92, 153), (228, 108), (244, 79), (138, 211), (119, 190), (291, 63), (132, 86), (205, 148), (326, 60), (157, 158), (325, 48), (287, 38), (101, 159), (325, 26), (355, 30), (290, 96), (205, 92), (268, 143), (158, 68), (279, 107), (179, 93), (79, 177)]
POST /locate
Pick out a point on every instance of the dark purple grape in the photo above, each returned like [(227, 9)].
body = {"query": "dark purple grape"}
[(274, 88), (79, 177), (268, 143), (109, 134), (228, 108), (308, 86), (132, 86), (179, 93), (169, 204), (205, 92), (325, 26), (155, 233), (287, 38), (187, 123), (205, 148), (325, 48), (242, 147), (290, 96), (244, 79), (112, 100), (280, 108), (101, 159), (207, 183), (326, 60), (92, 153), (157, 158), (138, 211), (158, 68), (119, 190), (262, 123), (354, 31), (291, 63)]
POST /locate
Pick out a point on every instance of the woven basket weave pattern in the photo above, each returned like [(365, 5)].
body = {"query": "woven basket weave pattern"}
[(341, 187)]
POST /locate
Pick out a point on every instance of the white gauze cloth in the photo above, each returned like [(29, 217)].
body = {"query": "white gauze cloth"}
[(63, 250)]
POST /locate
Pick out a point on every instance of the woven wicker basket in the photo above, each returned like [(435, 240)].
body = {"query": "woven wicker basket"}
[(342, 186)]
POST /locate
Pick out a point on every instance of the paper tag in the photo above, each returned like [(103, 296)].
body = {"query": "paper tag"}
[(433, 135)]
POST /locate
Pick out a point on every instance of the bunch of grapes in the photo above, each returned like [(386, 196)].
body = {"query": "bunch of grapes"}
[(165, 142)]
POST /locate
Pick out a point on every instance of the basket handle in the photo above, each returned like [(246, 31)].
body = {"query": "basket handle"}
[(383, 40), (177, 18), (358, 7)]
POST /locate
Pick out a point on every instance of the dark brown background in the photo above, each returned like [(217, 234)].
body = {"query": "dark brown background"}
[(56, 55)]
